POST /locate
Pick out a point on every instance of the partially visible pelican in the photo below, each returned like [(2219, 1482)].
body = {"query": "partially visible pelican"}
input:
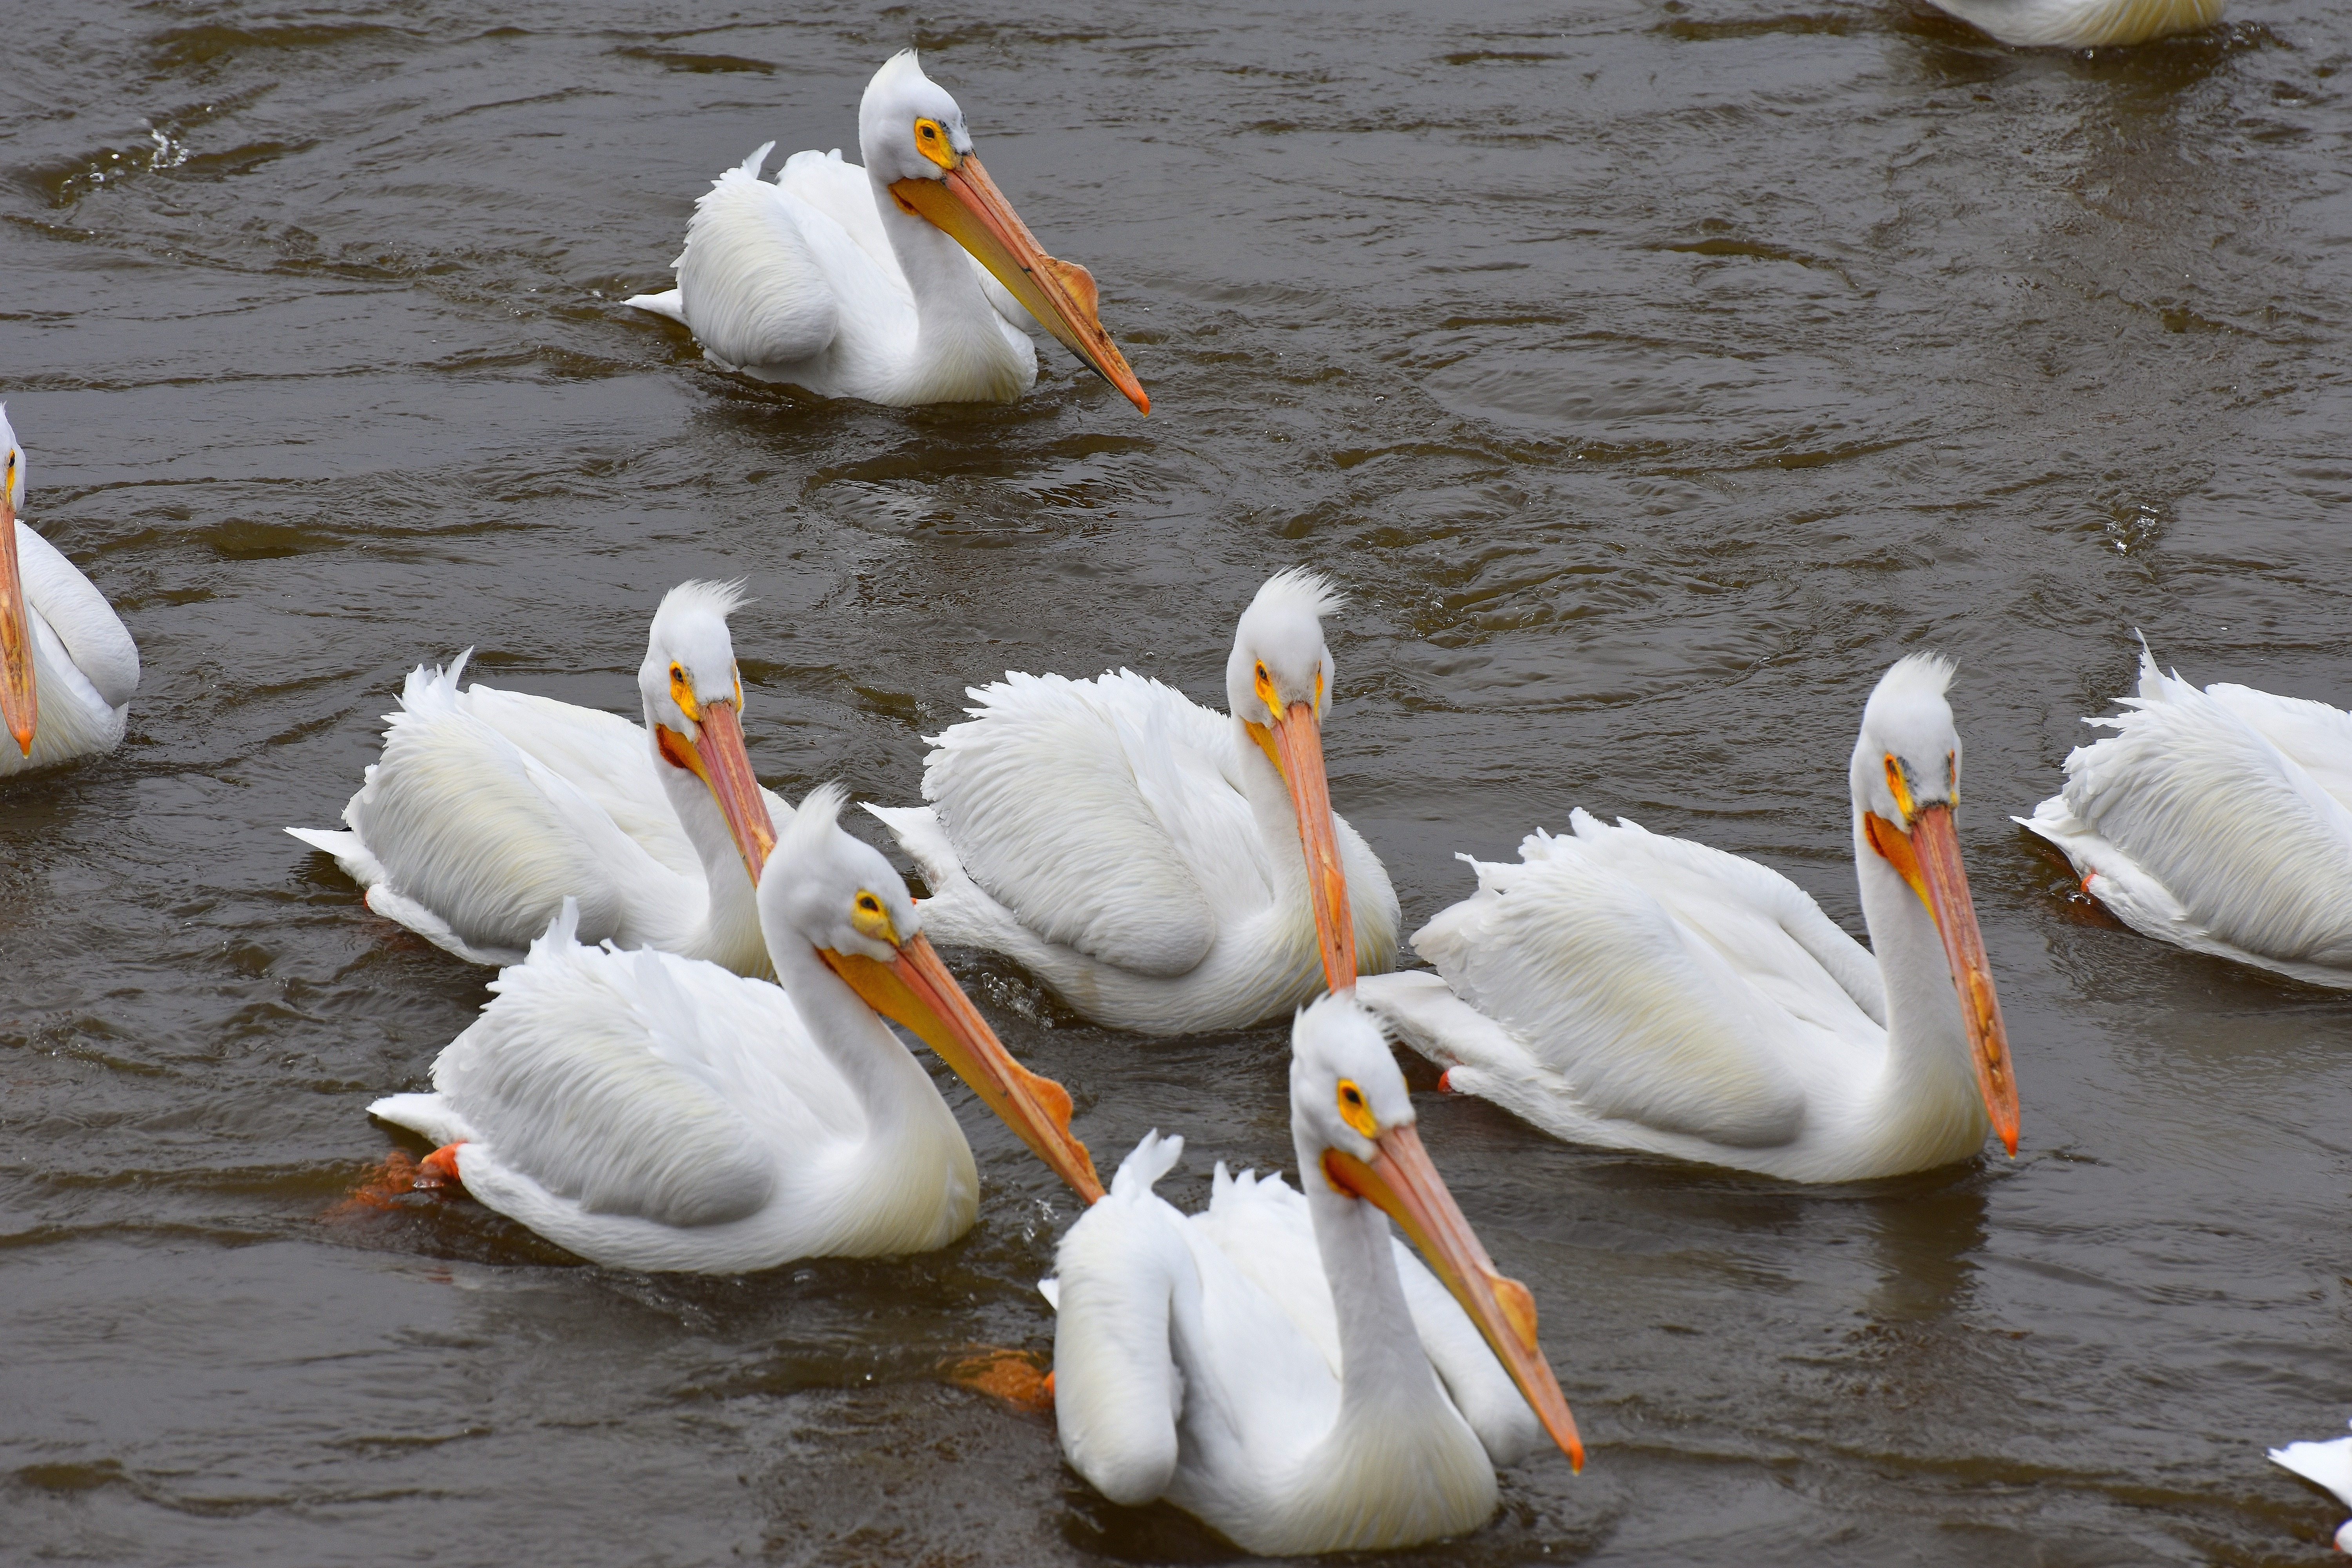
[(491, 807), (66, 667), (2082, 24), (1163, 868), (862, 282), (1279, 1365), (2329, 1465), (1620, 988), (651, 1111), (2218, 820)]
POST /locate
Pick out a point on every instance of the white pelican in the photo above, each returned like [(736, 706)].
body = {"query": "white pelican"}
[(1620, 988), (651, 1111), (491, 807), (1279, 1366), (2329, 1465), (66, 667), (2218, 820), (849, 281), (1161, 867), (2082, 24)]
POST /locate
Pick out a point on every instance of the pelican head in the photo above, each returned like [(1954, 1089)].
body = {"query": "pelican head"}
[(1278, 684), (1907, 786), (1352, 1119), (693, 704), (20, 699), (915, 144), (841, 897)]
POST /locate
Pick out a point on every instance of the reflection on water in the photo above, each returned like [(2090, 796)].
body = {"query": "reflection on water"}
[(1649, 376)]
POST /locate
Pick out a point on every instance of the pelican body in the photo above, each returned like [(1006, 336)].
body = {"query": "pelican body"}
[(1279, 1365), (1160, 866), (1622, 988), (489, 808), (907, 281), (2329, 1465), (2219, 821), (651, 1111), (68, 667), (2082, 24)]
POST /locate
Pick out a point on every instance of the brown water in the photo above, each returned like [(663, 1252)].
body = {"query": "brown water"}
[(1650, 373)]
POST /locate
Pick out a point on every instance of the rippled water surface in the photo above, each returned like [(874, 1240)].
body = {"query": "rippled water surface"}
[(1649, 373)]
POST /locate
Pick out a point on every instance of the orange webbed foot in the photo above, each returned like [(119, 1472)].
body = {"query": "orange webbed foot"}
[(1019, 1378), (438, 1169)]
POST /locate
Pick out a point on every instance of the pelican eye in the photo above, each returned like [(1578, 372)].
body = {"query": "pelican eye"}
[(869, 918), (1898, 785), (1266, 692), (931, 142), (1952, 776), (1354, 1112), (682, 691)]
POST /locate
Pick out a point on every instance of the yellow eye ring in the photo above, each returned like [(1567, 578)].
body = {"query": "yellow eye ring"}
[(931, 142), (682, 691), (869, 918), (1354, 1112), (1898, 785)]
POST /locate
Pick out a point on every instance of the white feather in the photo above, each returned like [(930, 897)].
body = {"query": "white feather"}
[(1204, 1360), (2083, 24), (1135, 850), (820, 280), (85, 666), (2218, 820), (1624, 988), (489, 808)]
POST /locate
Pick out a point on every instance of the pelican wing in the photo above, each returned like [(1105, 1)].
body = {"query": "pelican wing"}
[(464, 823), (1105, 814), (1157, 1332), (1265, 1227), (85, 624), (749, 282), (2328, 1464), (602, 755), (603, 1078), (2213, 817), (1118, 1393), (1669, 984)]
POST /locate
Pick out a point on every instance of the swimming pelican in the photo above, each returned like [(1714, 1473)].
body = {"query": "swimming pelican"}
[(1279, 1366), (849, 281), (1163, 868), (2218, 820), (651, 1111), (2082, 24), (491, 807), (66, 667), (2329, 1465), (1620, 988)]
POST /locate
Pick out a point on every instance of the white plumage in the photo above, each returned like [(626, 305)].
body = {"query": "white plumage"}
[(1622, 988), (2218, 820), (1279, 1365), (875, 283), (2329, 1465), (489, 808), (1161, 867), (651, 1111), (2083, 24), (68, 667)]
